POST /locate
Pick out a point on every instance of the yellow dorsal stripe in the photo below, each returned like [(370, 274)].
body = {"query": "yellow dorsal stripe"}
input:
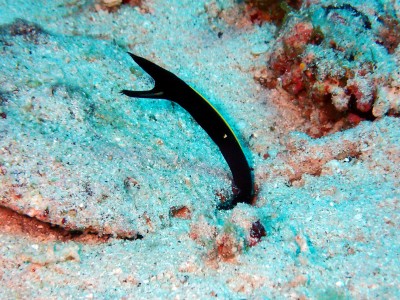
[(226, 123)]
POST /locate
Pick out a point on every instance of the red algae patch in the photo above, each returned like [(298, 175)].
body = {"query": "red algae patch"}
[(270, 10), (180, 212)]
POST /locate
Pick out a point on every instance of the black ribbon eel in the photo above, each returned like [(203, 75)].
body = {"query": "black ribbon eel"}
[(168, 86)]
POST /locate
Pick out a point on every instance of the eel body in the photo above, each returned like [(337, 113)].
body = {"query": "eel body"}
[(169, 86)]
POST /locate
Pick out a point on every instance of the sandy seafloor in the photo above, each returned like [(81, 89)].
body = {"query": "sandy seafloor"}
[(77, 154)]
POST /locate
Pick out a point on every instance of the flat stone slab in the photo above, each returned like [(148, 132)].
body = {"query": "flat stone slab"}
[(76, 153)]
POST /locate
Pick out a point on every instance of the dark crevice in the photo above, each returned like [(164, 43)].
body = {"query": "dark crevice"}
[(14, 223), (353, 109)]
